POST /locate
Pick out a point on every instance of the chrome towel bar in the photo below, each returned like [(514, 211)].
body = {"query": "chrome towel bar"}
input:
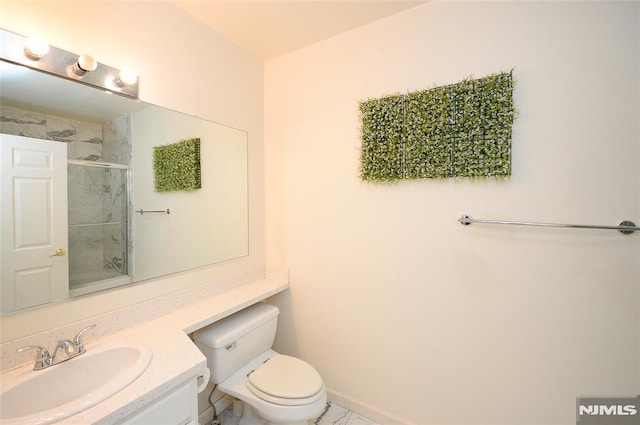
[(627, 227), (167, 211)]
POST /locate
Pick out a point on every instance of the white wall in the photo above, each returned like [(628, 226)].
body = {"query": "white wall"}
[(406, 313), (183, 65)]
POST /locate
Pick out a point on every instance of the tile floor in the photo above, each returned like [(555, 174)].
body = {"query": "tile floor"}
[(333, 415)]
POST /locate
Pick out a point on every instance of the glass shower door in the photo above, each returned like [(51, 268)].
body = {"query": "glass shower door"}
[(98, 225)]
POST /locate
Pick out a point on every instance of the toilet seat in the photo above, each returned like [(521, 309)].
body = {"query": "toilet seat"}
[(287, 381), (236, 385)]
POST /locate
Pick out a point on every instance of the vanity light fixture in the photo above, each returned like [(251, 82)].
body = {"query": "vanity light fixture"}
[(36, 47), (126, 77), (35, 53), (84, 64)]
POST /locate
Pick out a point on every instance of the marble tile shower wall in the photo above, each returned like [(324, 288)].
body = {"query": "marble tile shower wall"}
[(97, 224), (98, 204), (83, 139), (116, 147)]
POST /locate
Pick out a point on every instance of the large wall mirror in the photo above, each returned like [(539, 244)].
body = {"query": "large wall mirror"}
[(79, 209)]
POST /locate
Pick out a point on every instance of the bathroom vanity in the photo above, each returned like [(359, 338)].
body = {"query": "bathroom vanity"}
[(99, 133), (180, 406), (167, 388)]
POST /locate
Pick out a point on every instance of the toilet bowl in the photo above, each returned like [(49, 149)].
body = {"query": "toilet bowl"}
[(275, 388), (303, 400)]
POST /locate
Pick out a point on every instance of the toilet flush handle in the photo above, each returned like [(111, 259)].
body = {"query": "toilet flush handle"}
[(231, 346)]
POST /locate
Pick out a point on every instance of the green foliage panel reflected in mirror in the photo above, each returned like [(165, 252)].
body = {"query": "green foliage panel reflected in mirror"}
[(177, 166)]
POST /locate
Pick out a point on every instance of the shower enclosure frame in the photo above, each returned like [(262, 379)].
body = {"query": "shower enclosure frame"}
[(108, 283)]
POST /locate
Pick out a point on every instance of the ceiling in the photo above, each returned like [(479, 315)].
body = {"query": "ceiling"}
[(270, 28)]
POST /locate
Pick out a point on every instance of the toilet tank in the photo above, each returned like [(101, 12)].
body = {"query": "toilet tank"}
[(234, 341)]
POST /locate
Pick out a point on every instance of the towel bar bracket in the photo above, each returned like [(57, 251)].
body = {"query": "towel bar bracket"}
[(626, 223)]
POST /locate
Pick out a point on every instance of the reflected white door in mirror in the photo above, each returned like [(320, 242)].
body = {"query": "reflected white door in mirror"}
[(33, 218)]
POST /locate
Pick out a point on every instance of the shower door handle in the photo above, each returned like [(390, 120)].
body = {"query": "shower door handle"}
[(59, 253)]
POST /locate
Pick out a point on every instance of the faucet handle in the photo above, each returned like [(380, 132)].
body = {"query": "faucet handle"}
[(77, 340), (43, 358)]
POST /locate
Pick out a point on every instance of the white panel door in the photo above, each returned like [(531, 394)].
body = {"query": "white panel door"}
[(33, 222)]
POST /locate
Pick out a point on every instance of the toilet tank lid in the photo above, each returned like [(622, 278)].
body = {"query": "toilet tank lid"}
[(227, 330)]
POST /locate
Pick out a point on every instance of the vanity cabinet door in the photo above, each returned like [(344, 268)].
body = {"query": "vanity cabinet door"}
[(179, 407)]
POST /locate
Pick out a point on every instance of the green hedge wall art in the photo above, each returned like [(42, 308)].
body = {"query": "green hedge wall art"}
[(382, 130), (460, 130), (177, 166)]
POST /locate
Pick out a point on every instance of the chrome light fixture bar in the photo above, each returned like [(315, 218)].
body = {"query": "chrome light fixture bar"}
[(84, 69)]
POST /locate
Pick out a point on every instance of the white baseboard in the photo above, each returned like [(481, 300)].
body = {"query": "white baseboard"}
[(206, 415), (380, 416)]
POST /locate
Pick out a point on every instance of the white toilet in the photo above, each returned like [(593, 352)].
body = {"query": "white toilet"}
[(275, 389)]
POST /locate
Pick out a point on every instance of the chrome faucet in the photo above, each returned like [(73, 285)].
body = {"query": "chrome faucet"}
[(70, 349)]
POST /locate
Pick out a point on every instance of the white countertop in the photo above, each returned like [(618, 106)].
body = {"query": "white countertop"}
[(175, 358)]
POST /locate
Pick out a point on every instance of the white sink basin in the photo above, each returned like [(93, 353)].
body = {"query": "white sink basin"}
[(55, 393)]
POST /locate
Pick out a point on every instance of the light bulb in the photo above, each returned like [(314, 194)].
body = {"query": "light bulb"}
[(126, 78), (85, 63), (36, 47)]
